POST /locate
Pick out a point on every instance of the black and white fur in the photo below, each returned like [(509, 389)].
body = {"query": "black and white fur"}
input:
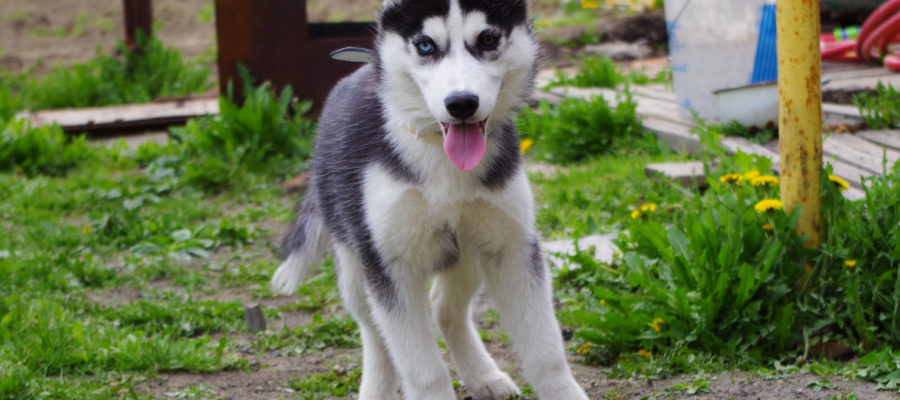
[(398, 214)]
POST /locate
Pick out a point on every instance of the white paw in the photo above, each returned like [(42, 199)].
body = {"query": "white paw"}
[(494, 387)]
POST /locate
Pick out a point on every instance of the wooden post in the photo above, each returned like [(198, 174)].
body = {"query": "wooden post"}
[(138, 16), (800, 113)]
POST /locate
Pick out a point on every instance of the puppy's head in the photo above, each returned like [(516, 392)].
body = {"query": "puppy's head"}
[(455, 68)]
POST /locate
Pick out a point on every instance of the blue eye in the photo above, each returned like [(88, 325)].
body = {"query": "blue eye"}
[(425, 47)]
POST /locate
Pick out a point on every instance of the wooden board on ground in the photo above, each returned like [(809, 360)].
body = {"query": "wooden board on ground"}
[(126, 116), (688, 174), (646, 106), (869, 82), (851, 173), (889, 139), (864, 71), (833, 147), (875, 151), (677, 136), (659, 92), (841, 109), (735, 143)]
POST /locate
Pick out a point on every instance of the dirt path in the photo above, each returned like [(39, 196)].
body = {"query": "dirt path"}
[(270, 373)]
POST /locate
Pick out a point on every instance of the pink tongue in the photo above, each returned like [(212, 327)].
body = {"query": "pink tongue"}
[(465, 144)]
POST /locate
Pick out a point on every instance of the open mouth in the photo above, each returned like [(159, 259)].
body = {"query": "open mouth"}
[(465, 144)]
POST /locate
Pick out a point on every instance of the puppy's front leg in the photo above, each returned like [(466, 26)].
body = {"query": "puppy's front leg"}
[(520, 287), (406, 325)]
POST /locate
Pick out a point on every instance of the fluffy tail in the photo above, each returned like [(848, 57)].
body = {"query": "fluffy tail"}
[(305, 244)]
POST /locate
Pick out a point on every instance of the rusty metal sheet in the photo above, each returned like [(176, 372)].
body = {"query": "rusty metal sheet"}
[(138, 16), (274, 41)]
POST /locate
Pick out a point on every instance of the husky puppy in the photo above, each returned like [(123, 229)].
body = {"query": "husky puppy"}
[(417, 178)]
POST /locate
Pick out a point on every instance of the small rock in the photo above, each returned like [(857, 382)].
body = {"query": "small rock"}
[(255, 319)]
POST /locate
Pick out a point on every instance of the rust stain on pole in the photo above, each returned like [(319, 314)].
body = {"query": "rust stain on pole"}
[(138, 16), (800, 108)]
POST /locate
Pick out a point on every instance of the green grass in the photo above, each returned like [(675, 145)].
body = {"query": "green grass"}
[(598, 196), (109, 80), (716, 281), (602, 71), (882, 110), (576, 130), (87, 225)]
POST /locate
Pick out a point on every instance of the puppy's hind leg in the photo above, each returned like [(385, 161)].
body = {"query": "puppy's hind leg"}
[(379, 380), (451, 297), (520, 287)]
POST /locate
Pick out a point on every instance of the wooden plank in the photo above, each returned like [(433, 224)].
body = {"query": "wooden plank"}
[(677, 136), (841, 109), (864, 82), (852, 174), (734, 143), (689, 174), (648, 107), (658, 92), (853, 193), (831, 67), (870, 71), (875, 151), (889, 139), (131, 115), (831, 146), (539, 95)]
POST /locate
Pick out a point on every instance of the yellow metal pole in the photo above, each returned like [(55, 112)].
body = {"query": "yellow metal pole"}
[(800, 112)]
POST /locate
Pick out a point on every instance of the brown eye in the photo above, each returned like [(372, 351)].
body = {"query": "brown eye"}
[(488, 41)]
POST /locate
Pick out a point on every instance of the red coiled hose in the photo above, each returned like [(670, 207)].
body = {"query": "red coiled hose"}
[(880, 30)]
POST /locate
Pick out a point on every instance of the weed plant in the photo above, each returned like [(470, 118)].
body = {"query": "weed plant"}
[(265, 132), (576, 129), (38, 150), (881, 110), (754, 134), (733, 276), (598, 195), (602, 71), (135, 77)]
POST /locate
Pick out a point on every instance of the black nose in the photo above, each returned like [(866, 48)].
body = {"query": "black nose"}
[(461, 105)]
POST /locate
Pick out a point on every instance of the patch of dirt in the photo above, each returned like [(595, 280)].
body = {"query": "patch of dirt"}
[(646, 28), (271, 373), (38, 34), (268, 378)]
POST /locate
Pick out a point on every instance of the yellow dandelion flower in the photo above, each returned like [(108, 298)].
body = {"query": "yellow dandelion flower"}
[(86, 229), (602, 302), (850, 263), (656, 322), (584, 348), (750, 175), (525, 145), (768, 205), (768, 227), (644, 353), (635, 214), (649, 207), (764, 181), (732, 179), (590, 4), (841, 184)]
